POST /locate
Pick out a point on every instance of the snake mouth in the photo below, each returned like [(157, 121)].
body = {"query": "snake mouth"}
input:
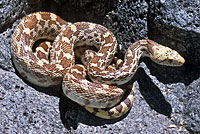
[(172, 62)]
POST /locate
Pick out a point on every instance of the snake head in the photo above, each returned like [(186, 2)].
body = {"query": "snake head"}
[(166, 56)]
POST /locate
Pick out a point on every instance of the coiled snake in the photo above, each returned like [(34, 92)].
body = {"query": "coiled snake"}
[(61, 67)]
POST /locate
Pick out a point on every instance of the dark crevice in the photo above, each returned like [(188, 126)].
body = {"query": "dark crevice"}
[(148, 17)]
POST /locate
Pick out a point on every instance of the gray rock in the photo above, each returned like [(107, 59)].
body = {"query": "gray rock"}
[(128, 22), (24, 109), (192, 108), (176, 24), (12, 10), (166, 98)]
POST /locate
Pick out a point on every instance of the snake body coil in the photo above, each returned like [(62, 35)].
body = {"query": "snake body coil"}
[(61, 68)]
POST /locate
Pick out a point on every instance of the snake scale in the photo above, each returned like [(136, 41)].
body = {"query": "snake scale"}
[(93, 85)]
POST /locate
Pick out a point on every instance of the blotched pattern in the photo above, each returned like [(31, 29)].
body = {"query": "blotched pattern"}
[(53, 64)]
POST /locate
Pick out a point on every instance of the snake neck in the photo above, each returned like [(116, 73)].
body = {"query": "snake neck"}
[(126, 72), (131, 61)]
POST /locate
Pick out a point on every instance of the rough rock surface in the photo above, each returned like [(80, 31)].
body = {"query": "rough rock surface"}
[(177, 23), (12, 10), (166, 98)]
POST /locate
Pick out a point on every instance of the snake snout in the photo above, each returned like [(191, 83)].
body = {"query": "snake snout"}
[(176, 59)]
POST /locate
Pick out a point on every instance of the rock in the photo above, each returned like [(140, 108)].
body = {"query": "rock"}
[(166, 98), (12, 10), (128, 22), (176, 24), (191, 111), (24, 109)]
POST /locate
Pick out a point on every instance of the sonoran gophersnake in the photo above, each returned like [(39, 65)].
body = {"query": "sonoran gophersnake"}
[(61, 67)]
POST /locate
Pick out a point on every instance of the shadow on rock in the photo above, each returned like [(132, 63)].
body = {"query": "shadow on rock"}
[(152, 94), (72, 113), (165, 74)]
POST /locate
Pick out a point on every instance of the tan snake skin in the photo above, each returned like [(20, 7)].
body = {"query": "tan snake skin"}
[(43, 70)]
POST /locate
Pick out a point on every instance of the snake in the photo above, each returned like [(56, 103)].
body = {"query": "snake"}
[(94, 84)]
